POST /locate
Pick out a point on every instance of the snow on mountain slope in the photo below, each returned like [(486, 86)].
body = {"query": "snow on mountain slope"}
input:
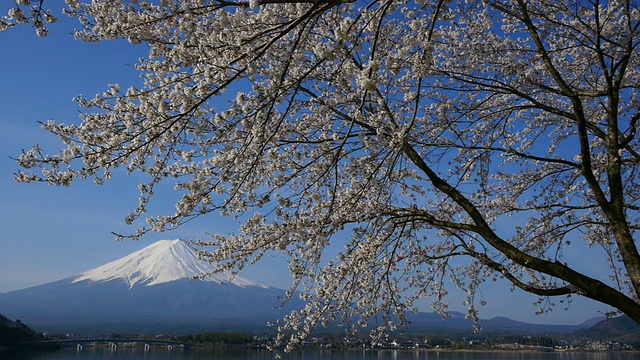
[(161, 262)]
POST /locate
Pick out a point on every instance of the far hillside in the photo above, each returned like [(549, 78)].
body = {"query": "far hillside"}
[(621, 328)]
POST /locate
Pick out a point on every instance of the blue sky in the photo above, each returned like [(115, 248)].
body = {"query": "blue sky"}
[(49, 233)]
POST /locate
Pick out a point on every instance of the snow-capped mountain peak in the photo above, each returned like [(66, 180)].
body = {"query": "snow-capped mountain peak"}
[(161, 262)]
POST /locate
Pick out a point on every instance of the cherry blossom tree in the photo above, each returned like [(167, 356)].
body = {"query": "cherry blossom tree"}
[(431, 140)]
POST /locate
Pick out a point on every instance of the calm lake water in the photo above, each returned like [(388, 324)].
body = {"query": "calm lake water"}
[(90, 353)]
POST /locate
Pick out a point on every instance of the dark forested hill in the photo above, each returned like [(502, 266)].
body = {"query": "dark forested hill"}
[(13, 333), (621, 328)]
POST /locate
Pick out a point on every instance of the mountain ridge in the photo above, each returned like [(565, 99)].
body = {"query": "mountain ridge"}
[(147, 290), (154, 290)]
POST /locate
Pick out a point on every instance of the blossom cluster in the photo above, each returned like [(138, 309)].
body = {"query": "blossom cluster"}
[(28, 12)]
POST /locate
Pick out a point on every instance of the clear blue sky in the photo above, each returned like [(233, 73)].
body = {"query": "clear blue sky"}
[(49, 233)]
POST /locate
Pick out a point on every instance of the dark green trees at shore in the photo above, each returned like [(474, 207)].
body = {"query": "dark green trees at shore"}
[(219, 339)]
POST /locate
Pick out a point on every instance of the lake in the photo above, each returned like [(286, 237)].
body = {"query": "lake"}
[(104, 353)]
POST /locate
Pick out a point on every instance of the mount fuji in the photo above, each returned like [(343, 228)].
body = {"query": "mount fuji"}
[(151, 290), (162, 262)]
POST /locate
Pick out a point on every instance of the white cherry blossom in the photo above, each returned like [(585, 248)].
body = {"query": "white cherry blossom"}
[(27, 12)]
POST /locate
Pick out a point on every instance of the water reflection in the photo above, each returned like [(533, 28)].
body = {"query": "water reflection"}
[(162, 353)]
